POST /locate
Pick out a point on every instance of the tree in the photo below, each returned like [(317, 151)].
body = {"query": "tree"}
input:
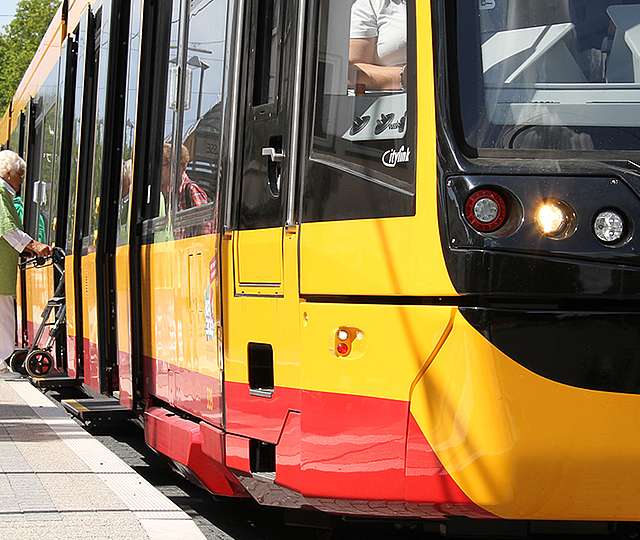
[(19, 41)]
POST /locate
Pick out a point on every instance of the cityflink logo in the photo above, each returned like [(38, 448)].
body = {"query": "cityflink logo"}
[(391, 158)]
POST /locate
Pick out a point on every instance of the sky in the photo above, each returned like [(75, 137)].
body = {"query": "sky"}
[(7, 11)]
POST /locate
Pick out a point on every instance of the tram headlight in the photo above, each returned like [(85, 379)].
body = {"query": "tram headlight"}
[(555, 219), (609, 226)]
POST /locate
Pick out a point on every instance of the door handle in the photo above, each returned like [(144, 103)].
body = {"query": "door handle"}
[(273, 154)]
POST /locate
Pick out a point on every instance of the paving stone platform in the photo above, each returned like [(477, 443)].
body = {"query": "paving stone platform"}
[(57, 481)]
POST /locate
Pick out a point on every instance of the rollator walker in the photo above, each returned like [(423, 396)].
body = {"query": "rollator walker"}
[(38, 361)]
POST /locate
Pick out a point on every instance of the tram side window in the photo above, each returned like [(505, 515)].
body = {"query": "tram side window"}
[(157, 200), (81, 35), (43, 223), (34, 166), (91, 225), (129, 126), (56, 123), (196, 186), (362, 158), (47, 209)]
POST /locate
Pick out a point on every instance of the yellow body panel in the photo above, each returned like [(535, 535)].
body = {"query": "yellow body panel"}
[(274, 320), (40, 287), (258, 258), (123, 299), (70, 295), (175, 276), (89, 299), (398, 256), (524, 447), (393, 345), (5, 128)]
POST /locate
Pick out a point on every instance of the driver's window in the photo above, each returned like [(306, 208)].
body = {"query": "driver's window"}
[(363, 119)]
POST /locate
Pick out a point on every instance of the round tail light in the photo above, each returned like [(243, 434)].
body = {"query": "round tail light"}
[(486, 210)]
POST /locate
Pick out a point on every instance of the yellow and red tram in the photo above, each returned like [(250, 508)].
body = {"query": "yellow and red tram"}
[(369, 257)]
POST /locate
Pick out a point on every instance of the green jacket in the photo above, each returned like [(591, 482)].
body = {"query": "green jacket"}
[(42, 226), (9, 221)]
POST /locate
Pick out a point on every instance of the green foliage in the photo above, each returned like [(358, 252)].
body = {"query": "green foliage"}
[(19, 42)]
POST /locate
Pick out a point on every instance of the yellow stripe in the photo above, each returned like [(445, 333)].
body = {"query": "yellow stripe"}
[(77, 406)]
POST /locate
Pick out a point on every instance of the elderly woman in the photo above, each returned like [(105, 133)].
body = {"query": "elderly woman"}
[(13, 242)]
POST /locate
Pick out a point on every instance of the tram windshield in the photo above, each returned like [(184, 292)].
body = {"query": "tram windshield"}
[(549, 74)]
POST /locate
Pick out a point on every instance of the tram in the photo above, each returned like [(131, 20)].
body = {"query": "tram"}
[(372, 258)]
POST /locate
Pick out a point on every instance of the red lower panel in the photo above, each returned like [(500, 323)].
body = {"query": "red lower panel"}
[(212, 442), (31, 332), (352, 447), (328, 446), (72, 357), (182, 441), (91, 365), (194, 393), (125, 380), (256, 416), (341, 446), (237, 453), (346, 447)]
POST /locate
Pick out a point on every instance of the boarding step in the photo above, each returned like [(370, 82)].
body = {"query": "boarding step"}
[(47, 383), (96, 410)]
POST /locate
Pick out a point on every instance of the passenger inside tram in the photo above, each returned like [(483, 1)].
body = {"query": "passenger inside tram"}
[(378, 45), (190, 194)]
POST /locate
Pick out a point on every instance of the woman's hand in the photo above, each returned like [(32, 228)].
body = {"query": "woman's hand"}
[(38, 249)]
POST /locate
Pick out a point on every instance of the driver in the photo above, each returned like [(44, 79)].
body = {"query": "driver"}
[(378, 44)]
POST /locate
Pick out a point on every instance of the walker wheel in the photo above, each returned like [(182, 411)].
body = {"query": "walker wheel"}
[(16, 362), (38, 363)]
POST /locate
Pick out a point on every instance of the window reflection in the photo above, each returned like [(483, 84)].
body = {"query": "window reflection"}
[(550, 74), (196, 185), (126, 178), (361, 119), (158, 197), (49, 167), (101, 68)]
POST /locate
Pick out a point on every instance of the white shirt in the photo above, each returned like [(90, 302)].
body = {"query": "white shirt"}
[(385, 20), (17, 239)]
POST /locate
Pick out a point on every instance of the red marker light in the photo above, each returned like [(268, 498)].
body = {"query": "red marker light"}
[(342, 349), (486, 210)]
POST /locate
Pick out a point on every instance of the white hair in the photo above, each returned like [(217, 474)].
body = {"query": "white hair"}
[(10, 162)]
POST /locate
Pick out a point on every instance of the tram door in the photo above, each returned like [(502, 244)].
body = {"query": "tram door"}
[(97, 265), (45, 205), (264, 169), (125, 243), (81, 116), (260, 316)]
